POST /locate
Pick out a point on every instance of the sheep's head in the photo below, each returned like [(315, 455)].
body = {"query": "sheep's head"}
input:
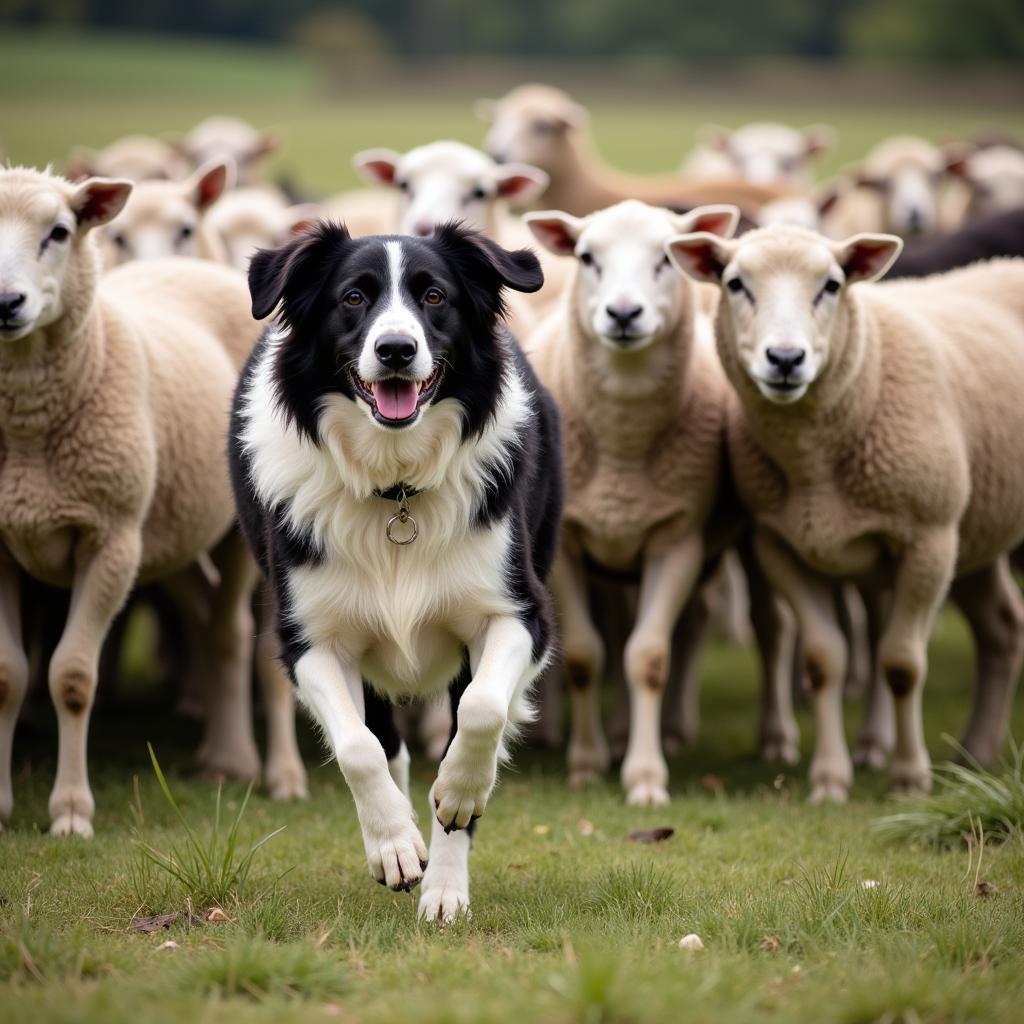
[(248, 219), (48, 261), (449, 181), (906, 173), (782, 292), (162, 218), (531, 125), (231, 139), (135, 157), (626, 295), (994, 175), (766, 153)]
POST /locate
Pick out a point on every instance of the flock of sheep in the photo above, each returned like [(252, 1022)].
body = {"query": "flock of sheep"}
[(842, 463)]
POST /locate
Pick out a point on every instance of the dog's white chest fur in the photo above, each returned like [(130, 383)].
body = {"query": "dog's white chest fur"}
[(407, 612)]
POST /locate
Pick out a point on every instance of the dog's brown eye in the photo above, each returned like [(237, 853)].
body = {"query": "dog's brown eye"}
[(354, 298), (434, 297)]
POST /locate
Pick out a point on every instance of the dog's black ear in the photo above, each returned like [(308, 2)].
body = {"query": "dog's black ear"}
[(291, 273), (487, 263)]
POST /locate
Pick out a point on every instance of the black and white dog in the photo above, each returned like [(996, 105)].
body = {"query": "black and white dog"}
[(396, 465)]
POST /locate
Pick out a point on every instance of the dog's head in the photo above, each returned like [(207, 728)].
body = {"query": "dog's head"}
[(394, 323)]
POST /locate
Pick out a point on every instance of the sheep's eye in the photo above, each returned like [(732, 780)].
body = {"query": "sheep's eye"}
[(354, 298), (831, 286), (433, 297), (662, 264), (478, 193), (734, 284), (586, 259), (543, 127), (403, 186), (184, 232), (119, 240), (59, 234), (787, 163)]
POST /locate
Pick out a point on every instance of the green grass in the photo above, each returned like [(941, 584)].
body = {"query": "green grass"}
[(566, 926)]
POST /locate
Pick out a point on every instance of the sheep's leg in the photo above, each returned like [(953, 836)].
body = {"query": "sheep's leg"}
[(285, 775), (922, 579), (13, 678), (614, 621), (991, 601), (878, 729), (103, 579), (435, 726), (331, 688), (681, 720), (670, 571), (775, 633), (583, 661), (812, 599), (228, 749), (860, 661)]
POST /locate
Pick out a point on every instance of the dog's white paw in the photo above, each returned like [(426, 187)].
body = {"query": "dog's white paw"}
[(465, 782), (442, 904), (396, 853)]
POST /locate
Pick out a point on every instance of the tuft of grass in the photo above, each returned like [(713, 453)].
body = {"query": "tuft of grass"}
[(211, 870), (968, 800), (637, 892)]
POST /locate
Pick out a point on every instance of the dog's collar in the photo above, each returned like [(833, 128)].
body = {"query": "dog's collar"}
[(395, 492)]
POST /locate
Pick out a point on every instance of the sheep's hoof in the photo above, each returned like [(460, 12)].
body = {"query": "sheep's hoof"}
[(871, 753), (581, 778), (829, 793), (647, 794), (780, 750), (287, 783), (71, 824), (910, 778)]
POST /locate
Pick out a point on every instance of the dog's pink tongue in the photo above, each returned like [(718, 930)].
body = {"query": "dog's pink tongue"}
[(396, 398)]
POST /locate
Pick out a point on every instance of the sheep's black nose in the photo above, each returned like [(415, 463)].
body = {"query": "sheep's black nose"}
[(395, 351), (624, 315), (915, 222), (10, 303), (785, 359)]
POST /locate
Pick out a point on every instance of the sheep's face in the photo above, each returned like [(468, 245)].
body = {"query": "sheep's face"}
[(47, 265), (249, 219), (907, 174), (135, 157), (448, 181), (995, 177), (162, 218), (231, 140), (772, 154), (626, 295), (782, 291), (530, 125)]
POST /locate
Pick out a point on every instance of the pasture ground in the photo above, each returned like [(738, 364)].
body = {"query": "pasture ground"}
[(571, 921)]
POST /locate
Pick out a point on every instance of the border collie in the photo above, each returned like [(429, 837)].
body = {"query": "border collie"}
[(397, 469)]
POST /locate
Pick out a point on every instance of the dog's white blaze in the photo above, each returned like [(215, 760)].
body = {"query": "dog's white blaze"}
[(395, 318)]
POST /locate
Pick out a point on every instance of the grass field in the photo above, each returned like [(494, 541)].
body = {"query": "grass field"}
[(571, 921)]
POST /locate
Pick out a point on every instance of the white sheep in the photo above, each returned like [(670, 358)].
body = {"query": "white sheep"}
[(114, 400), (993, 177), (630, 361), (230, 138), (135, 157), (543, 127), (876, 439)]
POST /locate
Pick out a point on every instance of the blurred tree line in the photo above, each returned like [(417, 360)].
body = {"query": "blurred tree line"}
[(922, 31)]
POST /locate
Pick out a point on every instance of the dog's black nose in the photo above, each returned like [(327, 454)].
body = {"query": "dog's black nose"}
[(624, 315), (395, 351), (785, 359), (10, 303)]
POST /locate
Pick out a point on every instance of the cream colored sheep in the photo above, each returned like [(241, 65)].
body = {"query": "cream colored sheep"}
[(136, 157), (230, 138), (763, 152), (876, 438), (114, 399), (993, 178), (642, 400), (168, 218), (247, 219), (542, 126)]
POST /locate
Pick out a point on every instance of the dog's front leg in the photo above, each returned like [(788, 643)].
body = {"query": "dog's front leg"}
[(331, 687), (502, 668)]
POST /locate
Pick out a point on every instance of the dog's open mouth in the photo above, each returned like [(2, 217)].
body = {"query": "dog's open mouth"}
[(395, 401)]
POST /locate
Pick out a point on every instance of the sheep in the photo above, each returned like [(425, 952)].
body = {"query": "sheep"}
[(446, 181), (168, 218), (363, 211), (230, 138), (837, 449), (114, 399), (542, 126), (896, 188), (643, 405), (247, 219), (993, 178), (763, 152), (135, 157), (997, 234)]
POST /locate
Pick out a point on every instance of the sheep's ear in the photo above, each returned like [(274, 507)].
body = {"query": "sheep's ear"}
[(572, 115), (714, 136), (377, 166), (210, 182), (81, 164), (867, 257), (827, 195), (267, 143), (301, 217), (956, 156), (713, 220), (485, 110), (520, 182), (818, 138), (702, 256), (99, 200), (558, 232), (864, 180)]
